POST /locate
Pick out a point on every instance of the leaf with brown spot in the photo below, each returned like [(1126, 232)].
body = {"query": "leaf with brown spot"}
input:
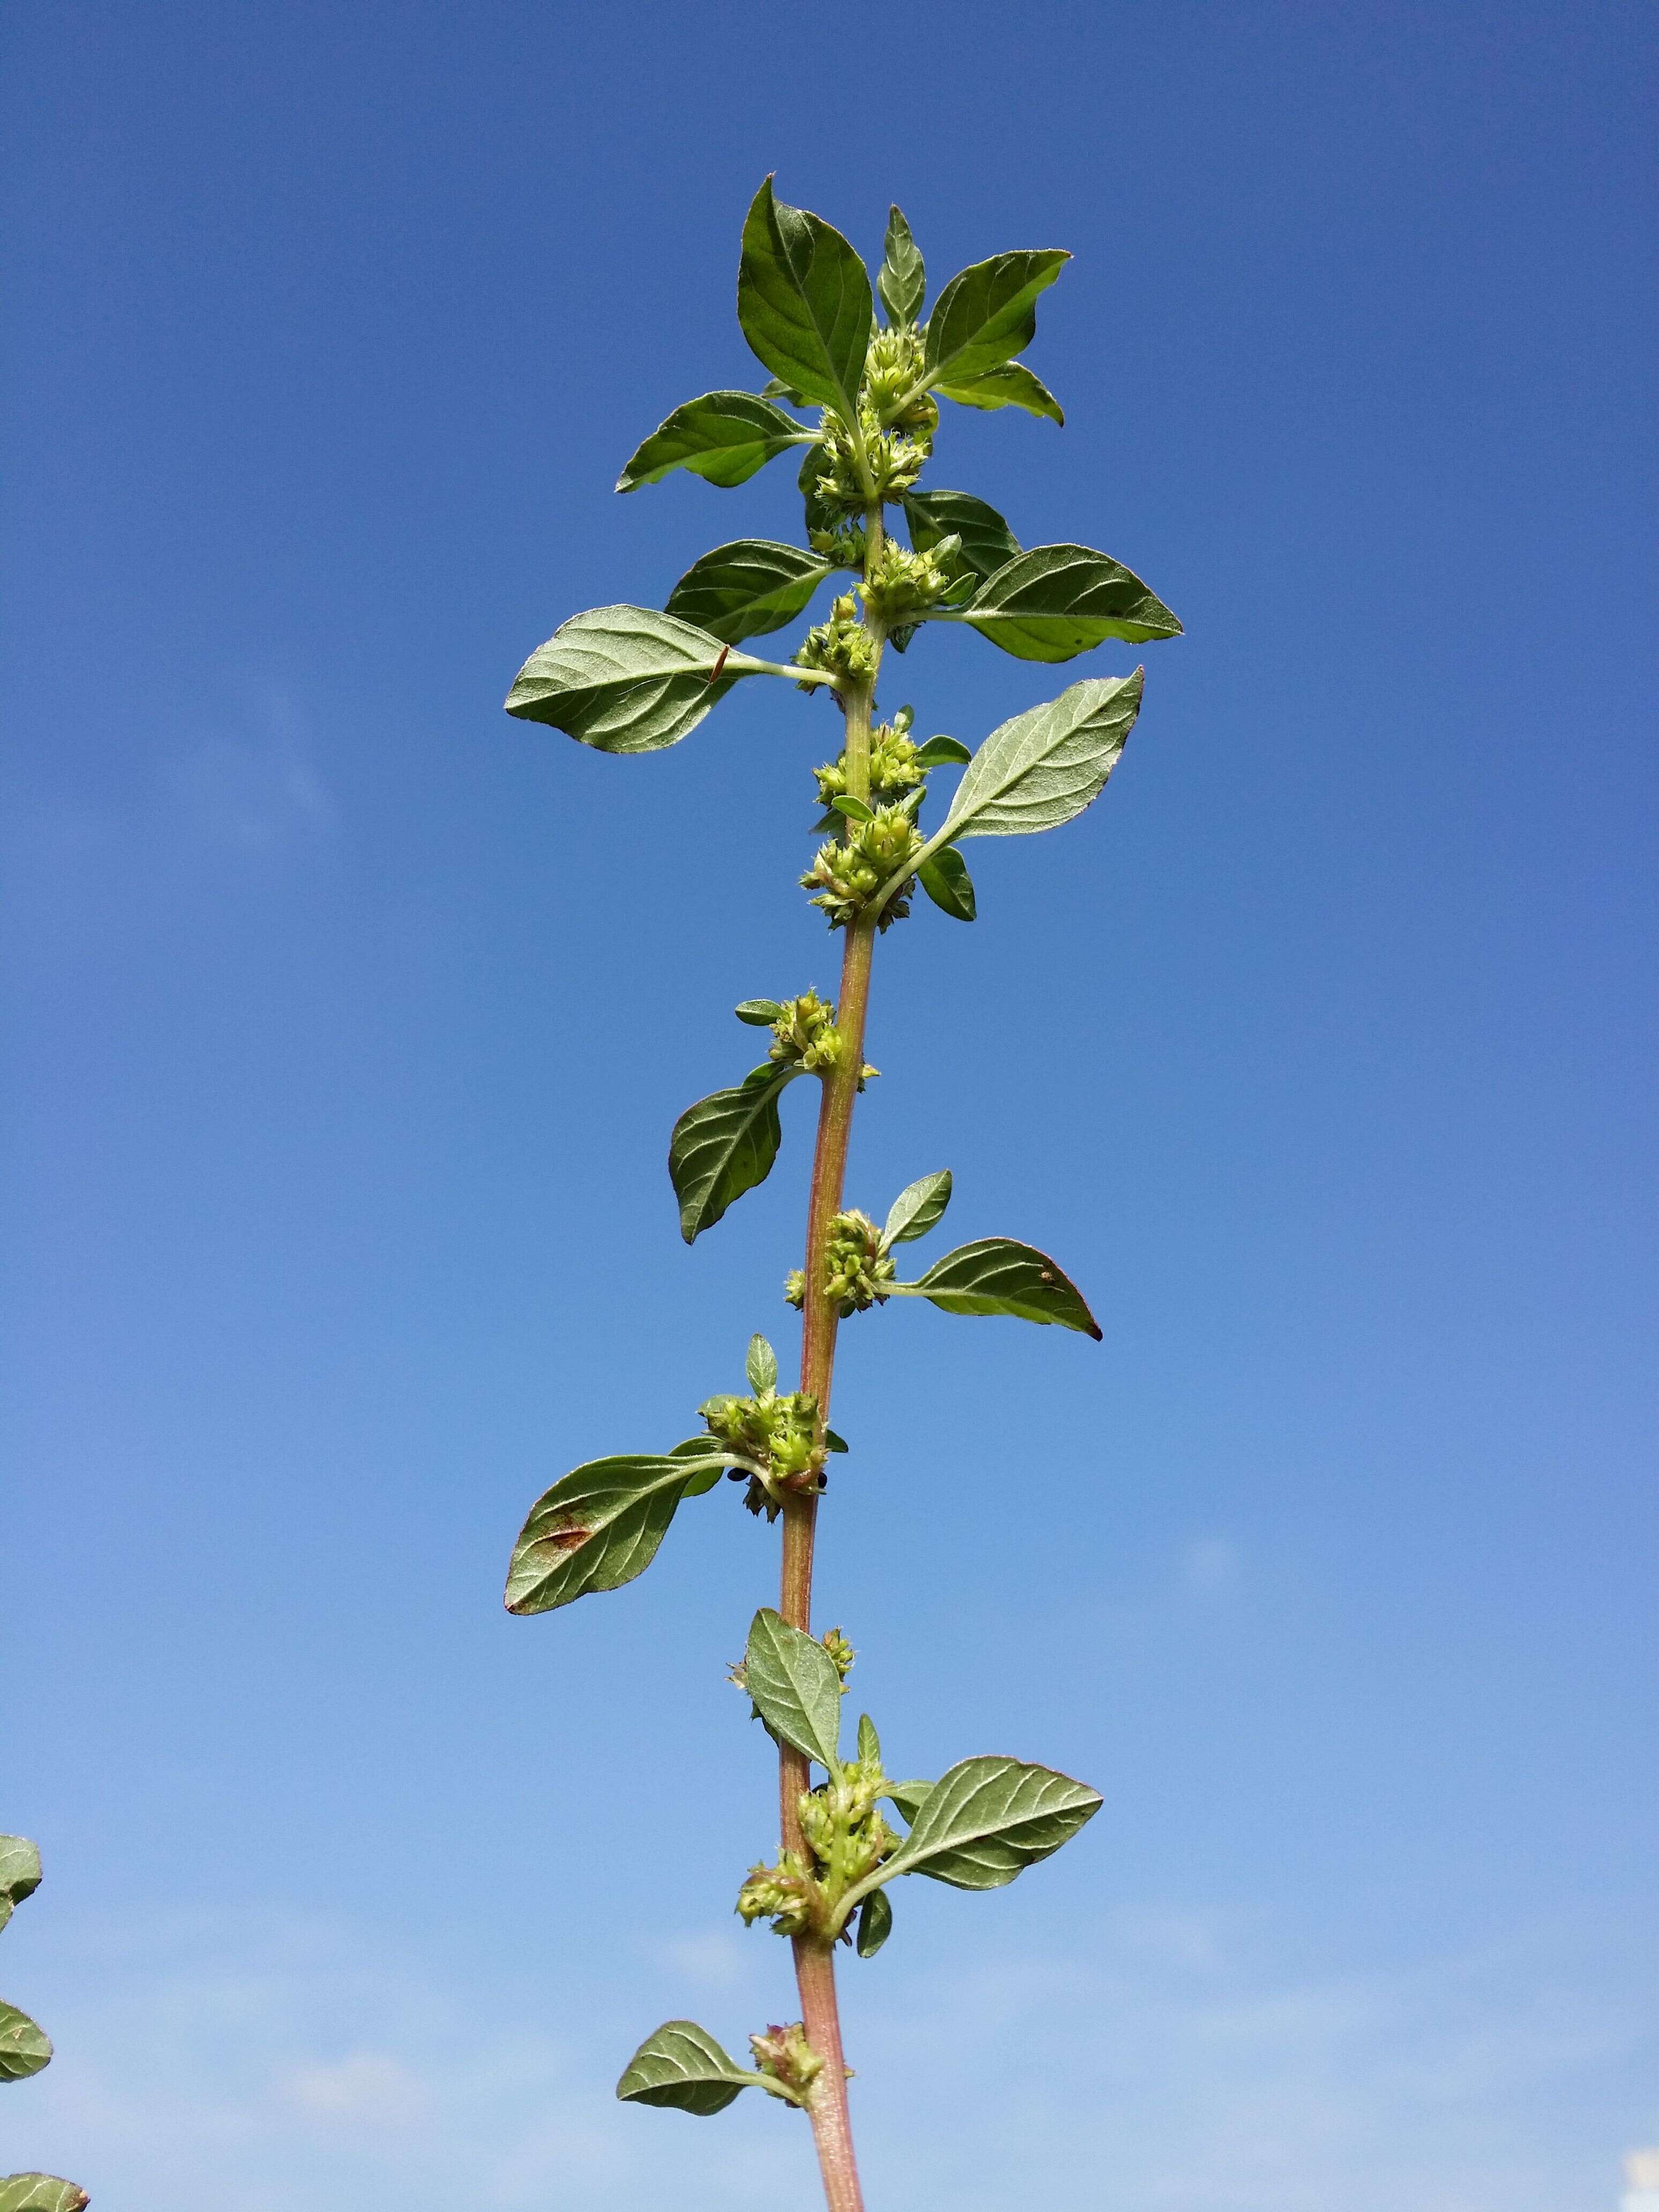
[(600, 1526)]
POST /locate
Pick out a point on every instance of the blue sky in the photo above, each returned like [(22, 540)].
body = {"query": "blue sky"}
[(349, 1020)]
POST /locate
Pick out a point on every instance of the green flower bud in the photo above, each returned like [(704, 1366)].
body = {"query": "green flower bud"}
[(855, 1270), (794, 1289), (839, 1650), (893, 769), (901, 585)]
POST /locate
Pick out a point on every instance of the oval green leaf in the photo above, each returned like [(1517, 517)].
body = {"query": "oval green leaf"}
[(987, 542), (804, 302), (908, 1797), (1010, 385), (600, 1525), (761, 1364), (869, 1741), (918, 1207), (987, 1820), (724, 437), (24, 2048), (724, 1144), (795, 1688), (875, 1923), (944, 752), (746, 588), (759, 1013), (901, 279), (1057, 601), (1043, 767), (20, 1874), (998, 1275), (943, 876), (41, 2192), (623, 679), (681, 2065), (987, 315)]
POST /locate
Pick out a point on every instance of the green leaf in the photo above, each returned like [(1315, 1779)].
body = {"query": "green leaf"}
[(851, 809), (1010, 385), (699, 1448), (1043, 767), (918, 1207), (908, 1796), (987, 315), (834, 1443), (746, 588), (600, 1525), (943, 876), (796, 1689), (41, 2192), (902, 280), (759, 1013), (724, 1144), (776, 388), (998, 1276), (987, 1820), (725, 436), (819, 514), (869, 1741), (761, 1364), (682, 2065), (20, 1873), (944, 752), (24, 2048), (625, 679), (1057, 601), (875, 1923), (804, 302), (988, 543)]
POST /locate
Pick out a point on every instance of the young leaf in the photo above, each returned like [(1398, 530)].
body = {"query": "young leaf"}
[(600, 1525), (908, 1796), (41, 2192), (988, 543), (725, 437), (759, 1013), (902, 280), (625, 679), (1057, 601), (833, 1443), (1010, 385), (796, 1689), (1041, 768), (943, 876), (851, 809), (761, 1364), (20, 1874), (24, 2048), (869, 1741), (998, 1276), (804, 302), (944, 752), (987, 1820), (724, 1144), (875, 1923), (682, 2065), (748, 587), (918, 1207), (987, 315)]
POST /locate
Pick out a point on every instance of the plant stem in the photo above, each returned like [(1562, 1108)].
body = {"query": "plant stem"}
[(815, 1965)]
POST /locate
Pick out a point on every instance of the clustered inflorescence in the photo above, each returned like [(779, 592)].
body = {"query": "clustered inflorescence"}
[(856, 1270), (779, 1436)]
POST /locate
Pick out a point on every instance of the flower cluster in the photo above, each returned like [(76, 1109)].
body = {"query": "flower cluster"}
[(901, 585), (841, 1654), (892, 461), (845, 877), (846, 1839), (894, 365), (780, 1434), (842, 647), (804, 1034), (855, 1270), (893, 769), (787, 2057)]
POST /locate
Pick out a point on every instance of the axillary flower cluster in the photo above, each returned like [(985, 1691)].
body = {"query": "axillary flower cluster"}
[(867, 389)]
